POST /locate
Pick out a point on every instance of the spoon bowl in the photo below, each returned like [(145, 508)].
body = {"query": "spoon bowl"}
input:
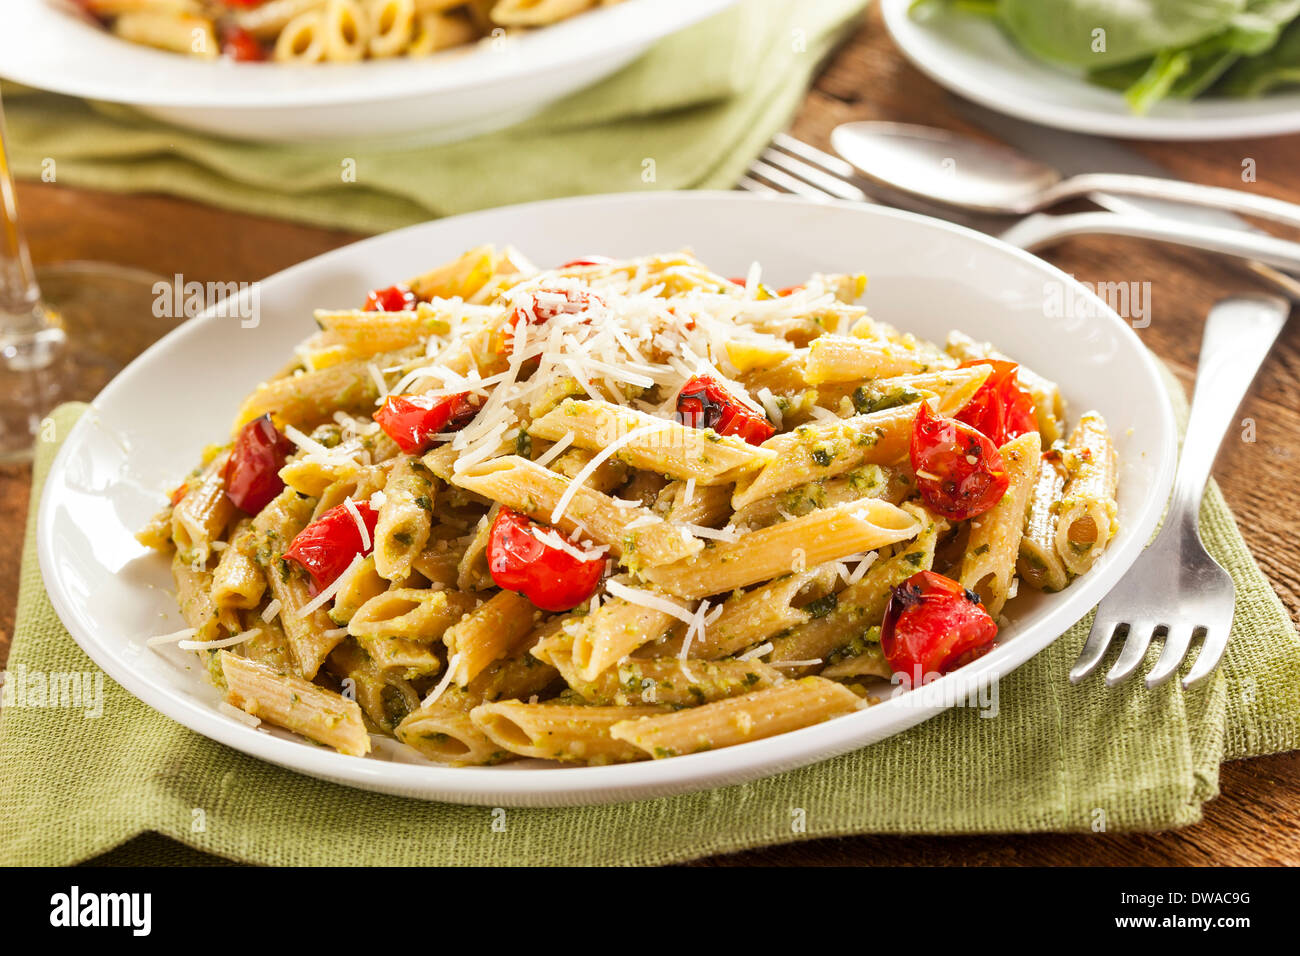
[(945, 167)]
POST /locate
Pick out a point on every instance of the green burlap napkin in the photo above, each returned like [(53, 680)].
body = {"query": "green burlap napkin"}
[(691, 113), (1056, 757)]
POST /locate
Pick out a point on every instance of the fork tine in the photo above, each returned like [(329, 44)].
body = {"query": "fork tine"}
[(811, 174), (1135, 648), (1216, 640), (1094, 649), (1177, 641), (832, 164), (784, 181), (752, 185)]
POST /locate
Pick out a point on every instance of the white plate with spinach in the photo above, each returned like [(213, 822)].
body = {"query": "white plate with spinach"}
[(1141, 69)]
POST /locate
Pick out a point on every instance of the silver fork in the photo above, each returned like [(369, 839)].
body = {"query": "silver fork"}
[(1175, 586)]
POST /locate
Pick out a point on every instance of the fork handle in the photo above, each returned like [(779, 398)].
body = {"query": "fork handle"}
[(1040, 230), (1238, 335), (1172, 190)]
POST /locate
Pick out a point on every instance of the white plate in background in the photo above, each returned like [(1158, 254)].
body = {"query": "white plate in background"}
[(449, 95), (973, 58), (150, 424)]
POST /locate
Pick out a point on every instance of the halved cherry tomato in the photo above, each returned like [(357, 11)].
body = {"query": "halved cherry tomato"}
[(933, 625), (542, 306), (959, 471), (179, 494), (703, 403), (240, 45), (552, 578), (1002, 408), (253, 470), (412, 421), (588, 261), (396, 298), (327, 546)]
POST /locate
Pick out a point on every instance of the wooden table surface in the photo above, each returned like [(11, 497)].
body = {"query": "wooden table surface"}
[(1256, 819)]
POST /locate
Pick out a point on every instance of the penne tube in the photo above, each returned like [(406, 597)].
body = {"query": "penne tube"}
[(612, 632), (201, 516), (664, 447), (559, 731), (311, 635), (178, 33), (238, 580), (194, 596), (1086, 519), (524, 486), (295, 704), (384, 699), (842, 358), (490, 632), (789, 546), (754, 616), (737, 720), (443, 732), (849, 614), (823, 450), (417, 614), (405, 520), (994, 543), (1039, 565), (676, 682), (889, 483)]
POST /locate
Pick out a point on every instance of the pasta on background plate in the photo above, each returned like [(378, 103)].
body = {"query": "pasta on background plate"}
[(618, 510), (321, 31)]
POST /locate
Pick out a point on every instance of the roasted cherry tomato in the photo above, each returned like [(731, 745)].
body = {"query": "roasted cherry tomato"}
[(396, 298), (933, 625), (327, 546), (959, 471), (588, 261), (413, 420), (245, 3), (179, 494), (549, 576), (1002, 408), (253, 470), (240, 45), (703, 403)]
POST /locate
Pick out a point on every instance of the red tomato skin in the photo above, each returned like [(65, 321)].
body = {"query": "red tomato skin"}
[(949, 482), (240, 45), (327, 546), (410, 422), (553, 580), (703, 403), (933, 626), (253, 469), (1001, 408), (588, 261), (396, 298)]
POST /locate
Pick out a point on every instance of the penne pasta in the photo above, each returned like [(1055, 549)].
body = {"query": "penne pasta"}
[(738, 720), (295, 704), (789, 546)]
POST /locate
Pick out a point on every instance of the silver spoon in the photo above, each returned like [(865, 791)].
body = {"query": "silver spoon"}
[(963, 171)]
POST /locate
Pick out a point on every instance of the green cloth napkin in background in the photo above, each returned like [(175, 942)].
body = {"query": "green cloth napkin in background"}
[(701, 104), (1056, 757)]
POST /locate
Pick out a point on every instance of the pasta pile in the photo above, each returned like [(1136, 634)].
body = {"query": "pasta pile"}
[(319, 31), (617, 510)]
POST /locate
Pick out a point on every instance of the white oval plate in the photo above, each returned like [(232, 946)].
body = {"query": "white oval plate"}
[(970, 56), (927, 276), (449, 95)]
